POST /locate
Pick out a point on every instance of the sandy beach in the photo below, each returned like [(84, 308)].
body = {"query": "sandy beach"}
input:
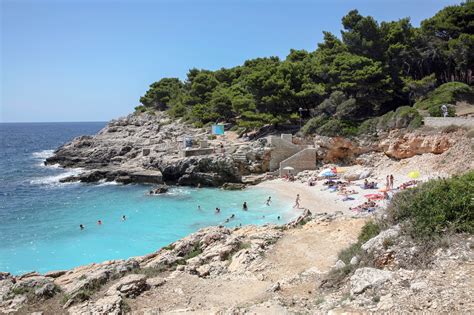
[(316, 198)]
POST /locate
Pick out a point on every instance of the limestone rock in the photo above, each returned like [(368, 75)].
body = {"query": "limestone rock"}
[(129, 286), (376, 243), (107, 305), (339, 264), (364, 278)]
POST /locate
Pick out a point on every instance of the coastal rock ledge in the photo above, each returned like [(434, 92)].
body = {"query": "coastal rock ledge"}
[(145, 148)]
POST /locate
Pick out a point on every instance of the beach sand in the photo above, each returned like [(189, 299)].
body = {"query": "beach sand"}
[(316, 198)]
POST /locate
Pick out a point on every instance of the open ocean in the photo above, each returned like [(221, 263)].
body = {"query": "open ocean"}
[(40, 217)]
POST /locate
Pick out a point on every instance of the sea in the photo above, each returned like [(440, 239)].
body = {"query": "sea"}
[(40, 217)]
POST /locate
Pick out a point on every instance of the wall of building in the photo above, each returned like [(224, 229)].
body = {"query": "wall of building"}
[(281, 150), (303, 160), (439, 122)]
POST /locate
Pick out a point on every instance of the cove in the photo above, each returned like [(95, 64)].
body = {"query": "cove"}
[(47, 236)]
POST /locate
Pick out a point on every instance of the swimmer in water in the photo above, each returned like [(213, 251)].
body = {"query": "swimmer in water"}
[(226, 220), (278, 217), (81, 226), (218, 210), (269, 200), (124, 218), (232, 216), (244, 206), (199, 208), (99, 222)]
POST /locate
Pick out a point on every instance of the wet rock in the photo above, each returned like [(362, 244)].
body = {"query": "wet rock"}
[(160, 189), (233, 186)]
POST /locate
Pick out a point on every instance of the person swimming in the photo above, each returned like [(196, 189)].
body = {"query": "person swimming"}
[(124, 218), (227, 220), (244, 206), (278, 217), (199, 208), (81, 226), (218, 210), (232, 216), (99, 222), (269, 200)]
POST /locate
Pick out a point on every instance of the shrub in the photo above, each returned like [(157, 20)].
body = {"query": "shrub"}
[(435, 111), (402, 117), (336, 127), (448, 93), (140, 109), (435, 207), (312, 125)]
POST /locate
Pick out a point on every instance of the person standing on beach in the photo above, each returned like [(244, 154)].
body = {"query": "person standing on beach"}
[(387, 183), (297, 201), (391, 181), (269, 200)]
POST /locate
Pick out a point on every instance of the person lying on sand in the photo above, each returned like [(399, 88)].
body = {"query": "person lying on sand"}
[(408, 184), (366, 206)]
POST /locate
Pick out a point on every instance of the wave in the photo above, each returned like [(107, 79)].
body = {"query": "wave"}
[(103, 182), (54, 180), (44, 154)]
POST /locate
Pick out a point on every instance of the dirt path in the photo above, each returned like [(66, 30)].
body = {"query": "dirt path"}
[(313, 247)]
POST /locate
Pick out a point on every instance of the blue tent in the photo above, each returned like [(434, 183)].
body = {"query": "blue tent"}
[(217, 129)]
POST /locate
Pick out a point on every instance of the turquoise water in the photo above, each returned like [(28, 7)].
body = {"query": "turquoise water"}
[(40, 217)]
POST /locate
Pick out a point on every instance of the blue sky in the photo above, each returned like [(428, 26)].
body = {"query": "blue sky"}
[(70, 60)]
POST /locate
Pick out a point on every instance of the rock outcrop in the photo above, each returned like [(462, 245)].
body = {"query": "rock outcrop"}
[(147, 148)]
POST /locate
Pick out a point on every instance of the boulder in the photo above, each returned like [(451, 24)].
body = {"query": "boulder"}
[(364, 278), (376, 243), (160, 189), (111, 305), (129, 286), (339, 264), (155, 282)]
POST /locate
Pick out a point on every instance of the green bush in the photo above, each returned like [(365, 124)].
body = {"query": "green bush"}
[(448, 93), (336, 127), (435, 207), (402, 117), (140, 109), (435, 111), (312, 125)]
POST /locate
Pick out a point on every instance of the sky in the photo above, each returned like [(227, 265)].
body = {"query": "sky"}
[(91, 60)]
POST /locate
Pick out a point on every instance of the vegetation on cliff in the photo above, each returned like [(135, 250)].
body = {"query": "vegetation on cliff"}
[(435, 207), (374, 68)]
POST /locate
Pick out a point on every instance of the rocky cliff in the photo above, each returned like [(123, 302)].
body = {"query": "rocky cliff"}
[(146, 149)]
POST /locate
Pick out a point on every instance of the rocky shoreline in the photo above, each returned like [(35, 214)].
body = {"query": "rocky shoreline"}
[(145, 148), (264, 270)]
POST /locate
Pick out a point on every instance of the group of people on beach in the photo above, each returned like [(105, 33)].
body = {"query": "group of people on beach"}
[(99, 222)]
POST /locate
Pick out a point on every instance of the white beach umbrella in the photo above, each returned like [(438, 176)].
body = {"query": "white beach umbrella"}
[(288, 168)]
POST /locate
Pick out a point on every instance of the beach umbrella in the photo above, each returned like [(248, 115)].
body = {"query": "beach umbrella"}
[(326, 172), (414, 174), (288, 168)]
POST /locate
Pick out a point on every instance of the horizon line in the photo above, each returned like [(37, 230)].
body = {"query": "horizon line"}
[(51, 122)]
